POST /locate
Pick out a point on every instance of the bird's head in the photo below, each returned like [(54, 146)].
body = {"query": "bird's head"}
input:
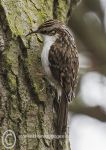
[(50, 28)]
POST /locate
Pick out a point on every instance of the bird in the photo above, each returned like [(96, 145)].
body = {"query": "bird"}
[(60, 61)]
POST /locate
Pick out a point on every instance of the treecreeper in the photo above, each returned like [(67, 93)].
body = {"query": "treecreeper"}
[(60, 61)]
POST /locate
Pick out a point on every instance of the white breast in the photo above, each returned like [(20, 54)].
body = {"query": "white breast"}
[(48, 41)]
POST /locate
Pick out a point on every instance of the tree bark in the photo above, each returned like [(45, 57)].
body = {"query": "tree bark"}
[(26, 102)]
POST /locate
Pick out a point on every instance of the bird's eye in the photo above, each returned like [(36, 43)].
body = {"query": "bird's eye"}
[(53, 32)]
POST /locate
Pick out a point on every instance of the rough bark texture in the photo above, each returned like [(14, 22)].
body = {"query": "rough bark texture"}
[(25, 99)]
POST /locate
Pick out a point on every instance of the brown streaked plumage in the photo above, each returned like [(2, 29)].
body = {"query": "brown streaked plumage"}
[(60, 62)]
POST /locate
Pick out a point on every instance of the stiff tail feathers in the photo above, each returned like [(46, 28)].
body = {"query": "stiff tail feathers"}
[(62, 114)]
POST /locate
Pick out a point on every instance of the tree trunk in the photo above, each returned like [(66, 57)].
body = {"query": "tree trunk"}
[(26, 102)]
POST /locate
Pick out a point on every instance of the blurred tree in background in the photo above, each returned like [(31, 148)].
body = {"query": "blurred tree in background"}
[(88, 22), (88, 111)]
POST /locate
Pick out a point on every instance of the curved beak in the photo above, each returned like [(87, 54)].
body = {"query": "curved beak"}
[(36, 31)]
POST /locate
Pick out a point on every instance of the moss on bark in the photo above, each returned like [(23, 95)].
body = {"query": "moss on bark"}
[(25, 100)]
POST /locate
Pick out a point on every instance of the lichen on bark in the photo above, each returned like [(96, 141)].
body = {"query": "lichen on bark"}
[(25, 99)]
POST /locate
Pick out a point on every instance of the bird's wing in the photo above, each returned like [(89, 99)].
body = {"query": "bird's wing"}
[(64, 66)]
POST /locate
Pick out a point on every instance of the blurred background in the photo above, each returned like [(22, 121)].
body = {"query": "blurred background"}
[(87, 121)]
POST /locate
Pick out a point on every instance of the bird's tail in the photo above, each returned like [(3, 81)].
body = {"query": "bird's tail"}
[(62, 114)]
